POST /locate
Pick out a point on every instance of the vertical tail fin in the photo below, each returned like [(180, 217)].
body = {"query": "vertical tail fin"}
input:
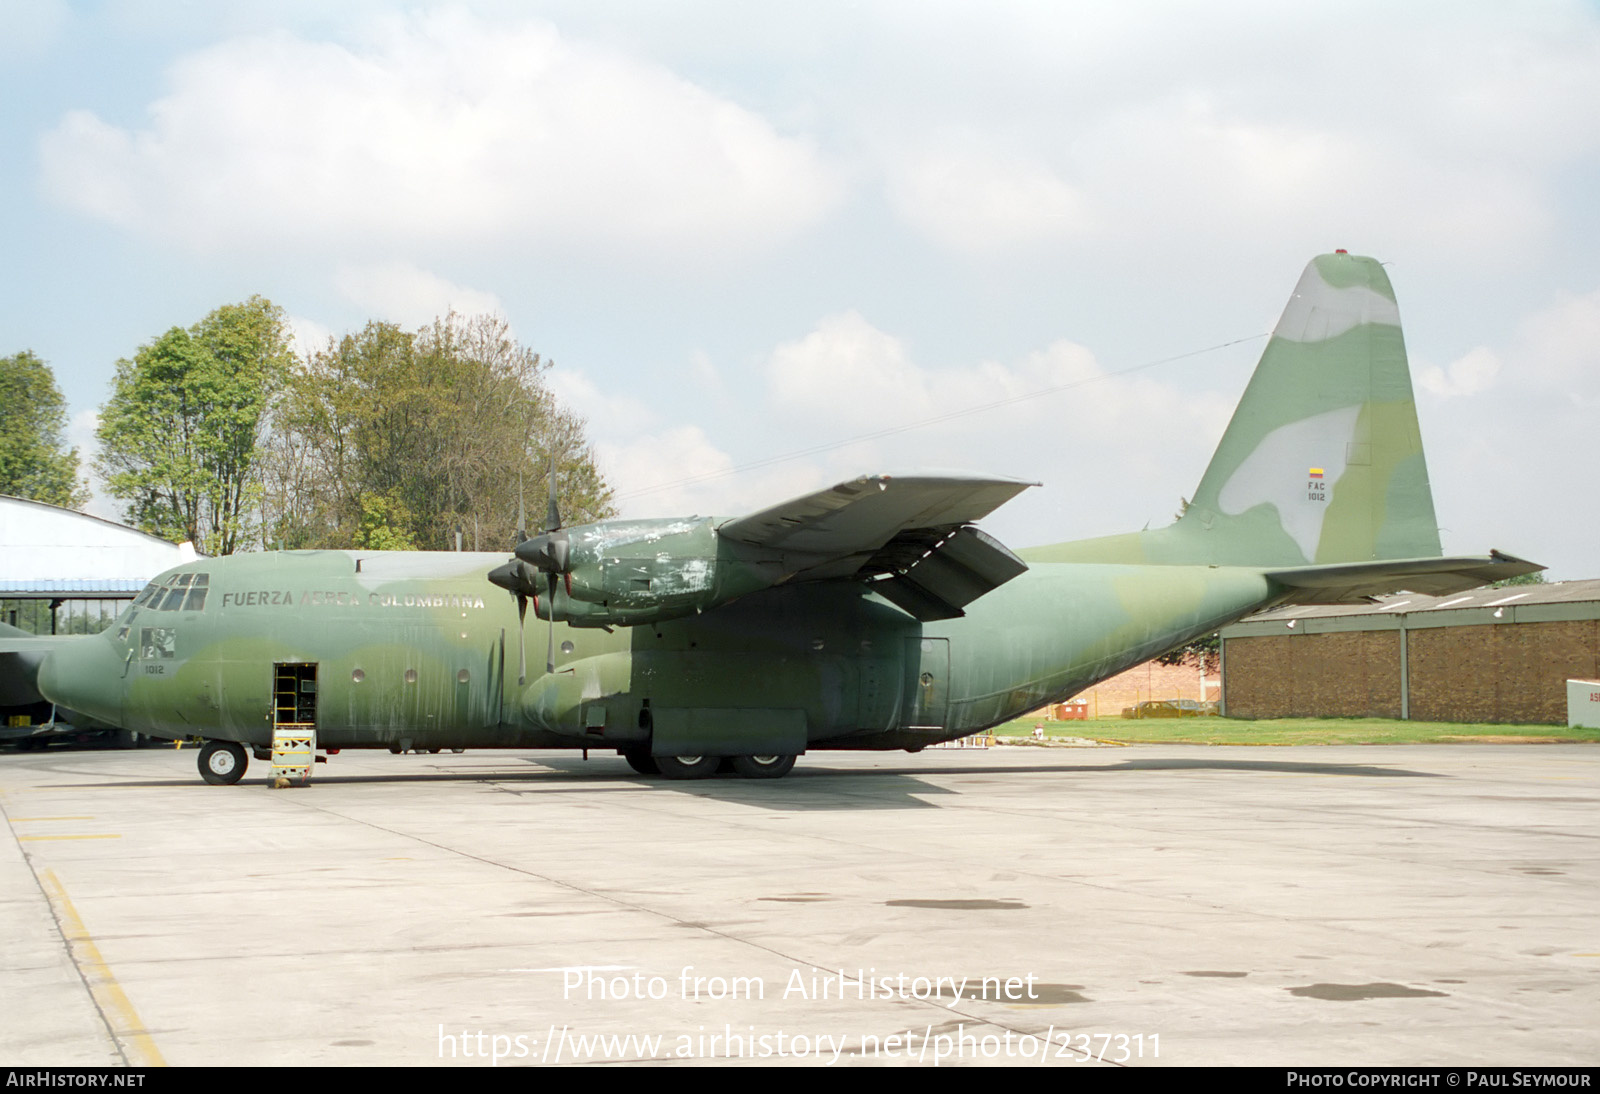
[(1322, 462), (1323, 459)]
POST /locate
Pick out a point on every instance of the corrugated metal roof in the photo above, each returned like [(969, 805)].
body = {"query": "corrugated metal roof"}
[(1556, 602), (23, 589)]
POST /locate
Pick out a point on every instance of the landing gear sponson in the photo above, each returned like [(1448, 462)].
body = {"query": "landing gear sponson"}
[(699, 767)]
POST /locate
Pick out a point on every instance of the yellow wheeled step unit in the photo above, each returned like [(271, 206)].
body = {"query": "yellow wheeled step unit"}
[(294, 753)]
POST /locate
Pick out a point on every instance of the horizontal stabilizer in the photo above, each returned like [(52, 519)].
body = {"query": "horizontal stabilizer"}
[(1351, 582), (942, 582)]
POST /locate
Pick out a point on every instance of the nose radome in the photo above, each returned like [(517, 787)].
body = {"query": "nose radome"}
[(84, 675)]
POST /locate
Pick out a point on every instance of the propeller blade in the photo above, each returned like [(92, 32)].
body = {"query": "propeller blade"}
[(522, 631), (550, 653), (522, 513), (552, 515)]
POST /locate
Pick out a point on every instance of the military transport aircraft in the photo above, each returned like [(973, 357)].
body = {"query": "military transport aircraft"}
[(870, 615)]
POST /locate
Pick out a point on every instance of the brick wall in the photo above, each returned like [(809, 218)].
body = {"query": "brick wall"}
[(1351, 674), (1148, 681), (1508, 673), (1487, 673)]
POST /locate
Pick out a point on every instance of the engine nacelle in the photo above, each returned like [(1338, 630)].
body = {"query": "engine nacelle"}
[(621, 573)]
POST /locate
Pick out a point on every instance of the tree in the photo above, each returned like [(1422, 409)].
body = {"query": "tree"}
[(34, 460), (179, 436), (389, 438), (1535, 578), (1204, 653)]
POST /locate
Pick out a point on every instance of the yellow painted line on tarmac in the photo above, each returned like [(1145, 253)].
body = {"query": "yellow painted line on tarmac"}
[(28, 839), (113, 1002)]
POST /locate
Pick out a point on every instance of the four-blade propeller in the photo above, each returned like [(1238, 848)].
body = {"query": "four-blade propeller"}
[(546, 553)]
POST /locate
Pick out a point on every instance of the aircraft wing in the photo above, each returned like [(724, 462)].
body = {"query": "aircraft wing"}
[(909, 535), (1352, 582), (867, 512)]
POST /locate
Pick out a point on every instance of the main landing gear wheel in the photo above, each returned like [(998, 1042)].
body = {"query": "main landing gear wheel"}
[(641, 761), (222, 763), (763, 767), (687, 767)]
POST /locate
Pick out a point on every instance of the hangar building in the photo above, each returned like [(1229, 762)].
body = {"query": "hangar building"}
[(65, 558), (1491, 655)]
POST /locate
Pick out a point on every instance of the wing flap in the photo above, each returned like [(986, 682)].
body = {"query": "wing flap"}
[(942, 582)]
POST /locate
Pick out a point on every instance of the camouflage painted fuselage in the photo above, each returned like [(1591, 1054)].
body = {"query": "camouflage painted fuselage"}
[(419, 651)]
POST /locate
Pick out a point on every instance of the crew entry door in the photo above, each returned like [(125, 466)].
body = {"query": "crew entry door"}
[(294, 722), (294, 694)]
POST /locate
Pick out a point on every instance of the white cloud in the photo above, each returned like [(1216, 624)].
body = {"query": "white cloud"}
[(1467, 375), (401, 293), (849, 371), (307, 335), (1117, 125), (612, 415), (661, 468), (972, 197), (855, 395), (439, 129), (1508, 427), (677, 471), (1556, 351), (1561, 345)]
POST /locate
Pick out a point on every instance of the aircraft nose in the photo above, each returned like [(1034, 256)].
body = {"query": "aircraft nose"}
[(84, 675)]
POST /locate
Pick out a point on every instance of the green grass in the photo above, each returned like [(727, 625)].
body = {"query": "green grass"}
[(1291, 731)]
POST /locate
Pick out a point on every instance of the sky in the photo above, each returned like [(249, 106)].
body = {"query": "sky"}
[(772, 247)]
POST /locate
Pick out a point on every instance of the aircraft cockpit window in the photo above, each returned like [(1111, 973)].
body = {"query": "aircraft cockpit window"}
[(177, 589), (180, 592), (196, 600), (145, 595)]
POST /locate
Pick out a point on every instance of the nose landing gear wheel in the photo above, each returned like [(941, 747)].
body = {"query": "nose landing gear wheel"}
[(763, 767), (222, 763), (687, 767)]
